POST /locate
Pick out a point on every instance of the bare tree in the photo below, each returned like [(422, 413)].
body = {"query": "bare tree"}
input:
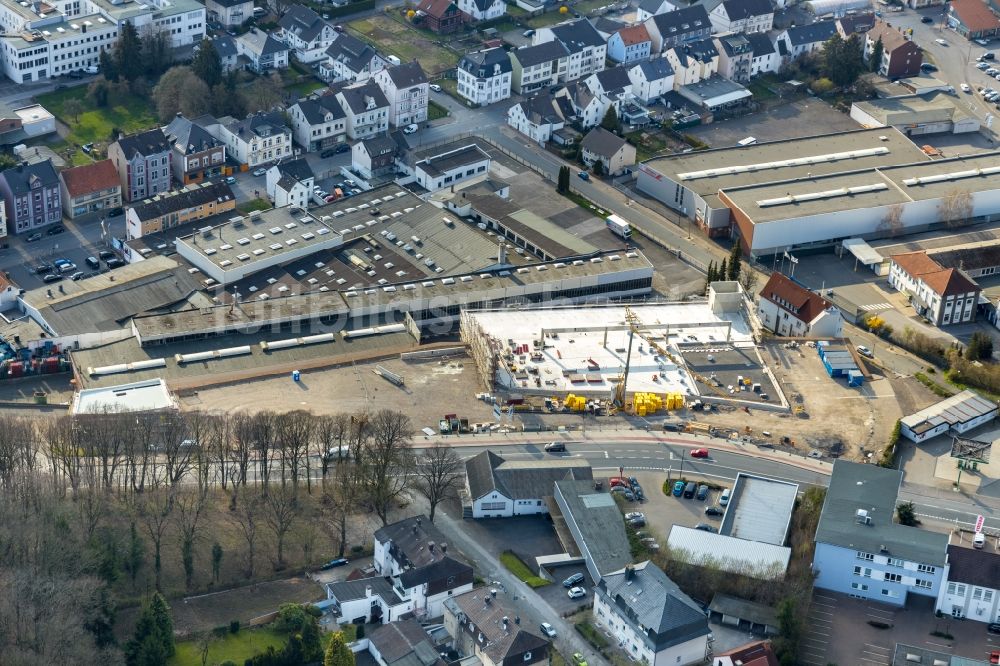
[(386, 460), (748, 280), (439, 474), (153, 509), (331, 434), (294, 432), (175, 446), (246, 516), (280, 513), (955, 208), (892, 223), (139, 451), (340, 498), (241, 450), (190, 510)]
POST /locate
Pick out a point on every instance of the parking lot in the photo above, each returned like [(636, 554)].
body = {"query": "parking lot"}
[(663, 512), (803, 118)]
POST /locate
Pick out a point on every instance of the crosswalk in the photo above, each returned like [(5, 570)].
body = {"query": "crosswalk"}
[(872, 307)]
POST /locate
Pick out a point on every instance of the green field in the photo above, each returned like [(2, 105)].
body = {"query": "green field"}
[(303, 89), (233, 647), (405, 42), (128, 113), (517, 567)]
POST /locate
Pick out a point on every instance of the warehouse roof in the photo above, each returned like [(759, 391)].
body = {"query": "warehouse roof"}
[(858, 515), (932, 107), (440, 165), (599, 523), (739, 556), (969, 257), (956, 410), (143, 396), (760, 509)]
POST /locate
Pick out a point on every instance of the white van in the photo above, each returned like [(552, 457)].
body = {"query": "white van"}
[(979, 540), (749, 141), (724, 497)]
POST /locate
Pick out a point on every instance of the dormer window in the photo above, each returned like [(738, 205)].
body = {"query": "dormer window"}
[(527, 656)]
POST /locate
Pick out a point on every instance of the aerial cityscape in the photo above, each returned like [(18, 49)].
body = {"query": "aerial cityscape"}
[(499, 332)]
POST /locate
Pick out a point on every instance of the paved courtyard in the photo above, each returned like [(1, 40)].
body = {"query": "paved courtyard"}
[(803, 118)]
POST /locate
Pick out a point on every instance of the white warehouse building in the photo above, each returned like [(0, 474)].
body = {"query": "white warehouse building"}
[(958, 414)]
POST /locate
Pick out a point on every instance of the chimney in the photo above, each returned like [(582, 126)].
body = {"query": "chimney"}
[(368, 591), (444, 548), (517, 619), (430, 546), (85, 27), (502, 254), (505, 623), (629, 572), (493, 593)]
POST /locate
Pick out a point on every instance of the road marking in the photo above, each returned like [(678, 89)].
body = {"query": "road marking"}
[(876, 306), (942, 645), (606, 455)]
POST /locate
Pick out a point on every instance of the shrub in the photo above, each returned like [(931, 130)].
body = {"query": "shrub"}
[(517, 567), (360, 633), (234, 627), (220, 632), (593, 636)]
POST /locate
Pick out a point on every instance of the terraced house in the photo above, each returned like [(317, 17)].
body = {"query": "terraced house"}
[(91, 188), (143, 163), (31, 196), (168, 210)]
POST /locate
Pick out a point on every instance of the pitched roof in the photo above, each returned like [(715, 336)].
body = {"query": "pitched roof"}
[(379, 145), (412, 539), (406, 75), (949, 281), (90, 178), (20, 178), (602, 142), (892, 37), (735, 44), (357, 96), (302, 22), (655, 69), (189, 197), (916, 263), (316, 110), (261, 43), (145, 143), (793, 298), (751, 654), (811, 32), (652, 6), (532, 479), (446, 567), (681, 21), (404, 644), (658, 611), (530, 56), (761, 44), (577, 35), (436, 8), (975, 15), (298, 169), (605, 25), (224, 45), (738, 10), (487, 615), (486, 64), (614, 79), (351, 590), (703, 50), (259, 123), (856, 23), (634, 34), (351, 51), (973, 566), (189, 137), (540, 109), (484, 5), (969, 258)]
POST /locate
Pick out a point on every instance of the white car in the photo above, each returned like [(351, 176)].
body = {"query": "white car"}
[(435, 87), (577, 593), (941, 42), (548, 629), (93, 69), (864, 351), (410, 129), (966, 88), (632, 515), (259, 171)]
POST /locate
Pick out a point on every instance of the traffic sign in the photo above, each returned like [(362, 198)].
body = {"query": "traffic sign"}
[(979, 523)]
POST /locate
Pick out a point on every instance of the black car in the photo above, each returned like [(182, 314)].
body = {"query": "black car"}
[(106, 255), (926, 19), (713, 511), (342, 148), (34, 237), (332, 564), (115, 263), (993, 627), (330, 152), (93, 263), (705, 527), (56, 230), (928, 67), (42, 269), (115, 212), (989, 55)]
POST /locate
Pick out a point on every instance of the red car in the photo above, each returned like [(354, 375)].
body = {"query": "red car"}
[(699, 453)]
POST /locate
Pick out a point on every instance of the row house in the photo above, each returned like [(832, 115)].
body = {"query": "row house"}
[(143, 163), (31, 196), (375, 157), (536, 117), (537, 67), (588, 107), (742, 16), (366, 109), (484, 77), (735, 56), (262, 50), (693, 62), (587, 48), (197, 155), (651, 79), (350, 59), (318, 123), (91, 188), (259, 138), (765, 57), (171, 209), (306, 33), (678, 27), (407, 90), (482, 10), (630, 44), (800, 40)]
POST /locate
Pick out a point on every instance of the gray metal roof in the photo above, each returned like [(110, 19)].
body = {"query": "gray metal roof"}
[(760, 509), (529, 56), (522, 479), (908, 655), (602, 142), (858, 487), (653, 605), (21, 177), (600, 524), (189, 197), (404, 644), (754, 559), (351, 590), (956, 410)]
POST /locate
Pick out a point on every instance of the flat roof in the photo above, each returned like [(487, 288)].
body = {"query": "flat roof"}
[(141, 396), (930, 107), (760, 509), (956, 410), (739, 556), (708, 171), (775, 201), (715, 91), (600, 523)]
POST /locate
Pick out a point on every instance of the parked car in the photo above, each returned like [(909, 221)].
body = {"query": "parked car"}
[(576, 593), (989, 55), (940, 42), (699, 453), (634, 514), (329, 152), (555, 447), (864, 351), (724, 497), (342, 148), (713, 511), (259, 171), (583, 175), (705, 527), (411, 128), (34, 237), (115, 263), (966, 88), (55, 230), (68, 267), (982, 66), (993, 627), (435, 87), (702, 493), (76, 276), (926, 19), (678, 488), (928, 67), (333, 564), (106, 254), (547, 629), (573, 580), (93, 69), (42, 269), (230, 180), (93, 262), (637, 522), (52, 277), (578, 659)]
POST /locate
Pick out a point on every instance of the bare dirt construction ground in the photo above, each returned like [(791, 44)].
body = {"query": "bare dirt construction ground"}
[(841, 421), (432, 388)]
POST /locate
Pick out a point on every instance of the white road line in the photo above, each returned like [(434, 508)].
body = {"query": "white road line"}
[(940, 645)]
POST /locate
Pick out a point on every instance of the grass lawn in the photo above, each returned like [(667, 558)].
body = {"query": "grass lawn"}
[(548, 18), (254, 204), (128, 113), (435, 111), (521, 570), (514, 11), (405, 42), (303, 89), (647, 144), (233, 647), (450, 86)]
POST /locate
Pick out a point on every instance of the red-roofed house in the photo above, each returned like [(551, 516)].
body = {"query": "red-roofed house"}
[(630, 44), (92, 188), (788, 309), (942, 296), (973, 19), (751, 654), (441, 16)]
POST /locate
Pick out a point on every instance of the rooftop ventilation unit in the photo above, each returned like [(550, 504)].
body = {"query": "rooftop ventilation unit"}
[(861, 517)]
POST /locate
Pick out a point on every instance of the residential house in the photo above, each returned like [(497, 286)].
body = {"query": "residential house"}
[(366, 108), (260, 137), (484, 77), (31, 196), (483, 628), (693, 62), (482, 10), (536, 67), (414, 554), (406, 88), (606, 27), (143, 163), (971, 588), (227, 49), (860, 551), (649, 617), (649, 8), (587, 49), (758, 653), (855, 24), (229, 13), (366, 600), (972, 19), (318, 123), (613, 152), (290, 183), (788, 309), (673, 29), (263, 52), (306, 33), (942, 296), (350, 59), (440, 16), (499, 488), (799, 40), (901, 57), (613, 83), (920, 4), (447, 169), (651, 79), (91, 188), (375, 157), (742, 16), (630, 44), (587, 107), (170, 209), (197, 155), (537, 117), (765, 55), (403, 643), (735, 56)]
